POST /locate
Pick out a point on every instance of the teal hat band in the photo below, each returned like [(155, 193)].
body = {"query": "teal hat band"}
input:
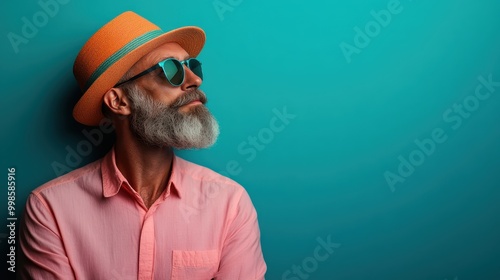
[(132, 45)]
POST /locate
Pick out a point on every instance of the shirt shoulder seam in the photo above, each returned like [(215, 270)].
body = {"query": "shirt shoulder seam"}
[(48, 185), (41, 200)]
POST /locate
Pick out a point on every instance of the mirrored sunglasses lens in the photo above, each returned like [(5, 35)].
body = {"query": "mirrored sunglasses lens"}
[(173, 71), (195, 66)]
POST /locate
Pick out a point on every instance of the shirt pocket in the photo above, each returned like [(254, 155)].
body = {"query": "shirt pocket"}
[(194, 265)]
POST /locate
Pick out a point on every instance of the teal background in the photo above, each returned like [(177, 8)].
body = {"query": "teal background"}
[(323, 175)]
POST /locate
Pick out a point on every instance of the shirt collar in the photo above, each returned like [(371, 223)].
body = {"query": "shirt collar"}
[(113, 179)]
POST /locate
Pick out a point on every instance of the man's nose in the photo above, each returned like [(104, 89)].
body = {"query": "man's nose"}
[(190, 79)]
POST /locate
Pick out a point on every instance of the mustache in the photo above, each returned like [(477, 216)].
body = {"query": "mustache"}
[(189, 97)]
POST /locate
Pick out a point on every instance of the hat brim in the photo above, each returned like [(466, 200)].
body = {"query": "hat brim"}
[(88, 109)]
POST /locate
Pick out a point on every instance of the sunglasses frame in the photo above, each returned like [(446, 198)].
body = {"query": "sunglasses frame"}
[(161, 65)]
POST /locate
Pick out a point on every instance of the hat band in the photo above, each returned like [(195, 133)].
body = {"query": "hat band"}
[(132, 45)]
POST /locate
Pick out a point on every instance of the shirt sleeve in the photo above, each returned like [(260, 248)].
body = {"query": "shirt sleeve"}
[(241, 257), (42, 251)]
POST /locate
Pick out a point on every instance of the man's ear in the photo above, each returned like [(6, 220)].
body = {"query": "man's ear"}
[(117, 102)]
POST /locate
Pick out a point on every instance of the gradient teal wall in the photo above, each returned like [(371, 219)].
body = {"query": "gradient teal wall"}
[(369, 125)]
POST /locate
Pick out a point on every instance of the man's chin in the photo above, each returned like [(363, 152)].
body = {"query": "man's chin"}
[(194, 108)]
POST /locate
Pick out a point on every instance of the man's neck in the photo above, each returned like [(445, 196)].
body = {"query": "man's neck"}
[(146, 168)]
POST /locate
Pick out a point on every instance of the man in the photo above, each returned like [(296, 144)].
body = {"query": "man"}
[(141, 212)]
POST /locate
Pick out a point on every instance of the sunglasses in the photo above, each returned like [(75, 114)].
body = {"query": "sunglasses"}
[(173, 70)]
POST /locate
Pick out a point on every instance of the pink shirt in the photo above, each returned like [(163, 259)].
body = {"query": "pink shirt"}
[(90, 224)]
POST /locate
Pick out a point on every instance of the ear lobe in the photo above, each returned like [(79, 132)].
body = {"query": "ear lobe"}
[(117, 102)]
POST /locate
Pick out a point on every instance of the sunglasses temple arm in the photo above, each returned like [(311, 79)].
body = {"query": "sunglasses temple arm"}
[(139, 75)]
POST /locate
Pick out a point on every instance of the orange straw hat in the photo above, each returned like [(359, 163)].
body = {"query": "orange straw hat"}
[(116, 47)]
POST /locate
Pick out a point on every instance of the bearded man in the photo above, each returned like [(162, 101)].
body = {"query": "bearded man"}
[(141, 212)]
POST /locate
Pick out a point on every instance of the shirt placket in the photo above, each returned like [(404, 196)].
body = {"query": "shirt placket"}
[(147, 239), (146, 248)]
